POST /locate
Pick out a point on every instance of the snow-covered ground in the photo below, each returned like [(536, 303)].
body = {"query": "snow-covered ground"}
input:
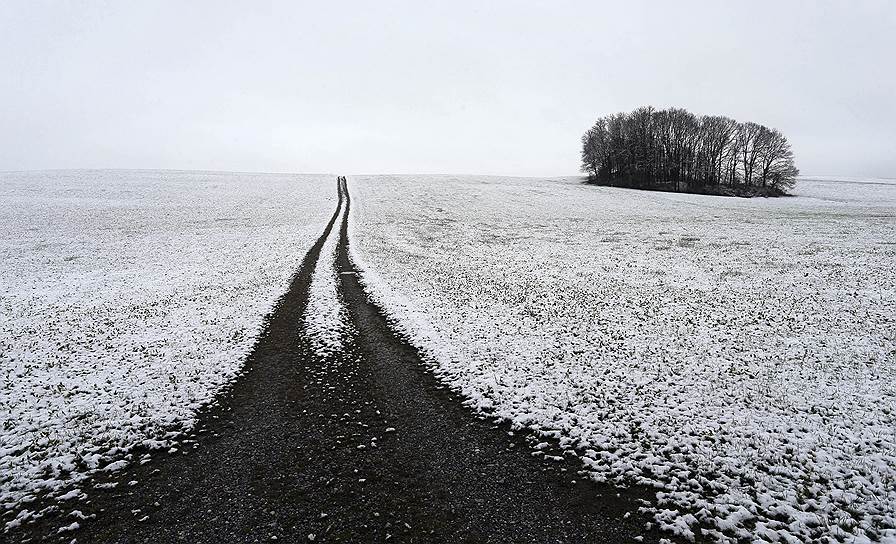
[(127, 299), (326, 317), (739, 355)]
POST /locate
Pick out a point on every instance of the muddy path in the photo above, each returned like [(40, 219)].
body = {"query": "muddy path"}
[(364, 445)]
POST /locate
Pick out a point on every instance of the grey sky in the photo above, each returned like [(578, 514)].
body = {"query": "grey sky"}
[(414, 87)]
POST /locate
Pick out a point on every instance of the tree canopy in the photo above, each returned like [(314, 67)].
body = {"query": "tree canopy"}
[(676, 150)]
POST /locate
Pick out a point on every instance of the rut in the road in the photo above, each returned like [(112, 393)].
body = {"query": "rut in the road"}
[(361, 446)]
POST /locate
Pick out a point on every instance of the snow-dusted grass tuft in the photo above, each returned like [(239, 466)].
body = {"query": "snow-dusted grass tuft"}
[(326, 317), (127, 300), (738, 355)]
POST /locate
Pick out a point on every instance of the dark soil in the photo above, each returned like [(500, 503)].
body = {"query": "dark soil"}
[(362, 446), (742, 191)]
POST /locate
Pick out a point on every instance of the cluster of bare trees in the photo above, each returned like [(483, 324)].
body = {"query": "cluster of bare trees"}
[(676, 150)]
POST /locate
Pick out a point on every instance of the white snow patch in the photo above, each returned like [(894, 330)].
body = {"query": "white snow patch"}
[(74, 526), (326, 317)]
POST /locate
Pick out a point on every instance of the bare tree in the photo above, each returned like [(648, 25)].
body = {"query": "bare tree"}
[(748, 141), (775, 163), (718, 132)]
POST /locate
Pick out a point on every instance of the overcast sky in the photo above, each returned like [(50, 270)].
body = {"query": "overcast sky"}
[(419, 87)]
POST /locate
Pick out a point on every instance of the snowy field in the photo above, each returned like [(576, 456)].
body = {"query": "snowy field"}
[(738, 355), (127, 299)]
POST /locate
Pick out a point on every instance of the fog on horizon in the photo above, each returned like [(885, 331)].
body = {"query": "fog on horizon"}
[(402, 87)]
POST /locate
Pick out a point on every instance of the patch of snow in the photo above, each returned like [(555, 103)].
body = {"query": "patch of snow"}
[(326, 317), (115, 466), (72, 494), (74, 526)]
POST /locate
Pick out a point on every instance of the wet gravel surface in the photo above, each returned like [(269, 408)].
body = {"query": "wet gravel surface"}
[(362, 446)]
